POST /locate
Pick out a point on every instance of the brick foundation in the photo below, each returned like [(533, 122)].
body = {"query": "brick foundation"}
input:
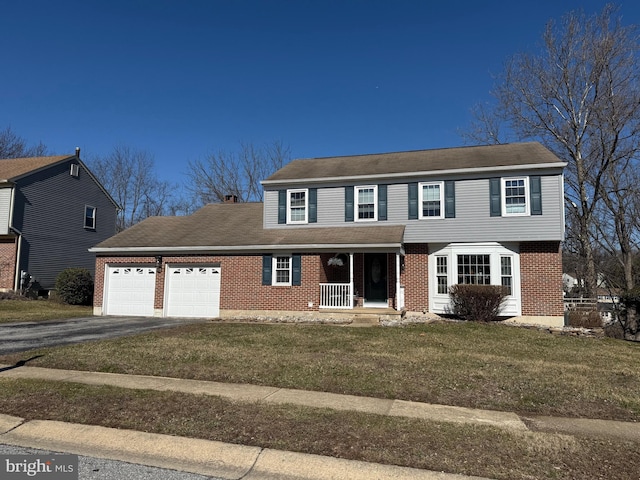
[(7, 264)]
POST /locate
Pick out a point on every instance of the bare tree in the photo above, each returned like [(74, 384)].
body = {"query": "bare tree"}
[(580, 97), (13, 145), (235, 173), (129, 176)]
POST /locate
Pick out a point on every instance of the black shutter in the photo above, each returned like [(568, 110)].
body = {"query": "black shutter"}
[(348, 204), (313, 205), (266, 269), (382, 202), (495, 199), (296, 269), (282, 206), (413, 201), (535, 192), (449, 199)]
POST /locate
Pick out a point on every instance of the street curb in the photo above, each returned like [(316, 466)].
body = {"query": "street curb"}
[(198, 456)]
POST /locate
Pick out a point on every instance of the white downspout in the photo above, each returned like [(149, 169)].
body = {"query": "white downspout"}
[(399, 298)]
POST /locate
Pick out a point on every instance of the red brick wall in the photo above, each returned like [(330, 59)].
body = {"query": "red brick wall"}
[(541, 278), (415, 277), (7, 263), (241, 283)]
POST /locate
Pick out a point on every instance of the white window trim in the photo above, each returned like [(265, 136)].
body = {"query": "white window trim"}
[(306, 205), (356, 203), (439, 302), (94, 211), (274, 276), (421, 200), (503, 197)]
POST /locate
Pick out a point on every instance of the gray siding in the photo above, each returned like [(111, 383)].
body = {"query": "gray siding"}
[(472, 223), (5, 205), (49, 212)]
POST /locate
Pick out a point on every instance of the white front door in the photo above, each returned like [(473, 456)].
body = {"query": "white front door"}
[(129, 290), (193, 291)]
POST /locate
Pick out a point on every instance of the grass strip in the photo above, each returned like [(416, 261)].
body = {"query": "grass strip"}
[(464, 449)]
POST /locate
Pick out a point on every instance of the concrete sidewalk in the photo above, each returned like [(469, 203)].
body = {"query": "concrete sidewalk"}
[(237, 461)]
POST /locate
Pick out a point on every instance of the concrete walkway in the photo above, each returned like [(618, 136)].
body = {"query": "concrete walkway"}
[(237, 461)]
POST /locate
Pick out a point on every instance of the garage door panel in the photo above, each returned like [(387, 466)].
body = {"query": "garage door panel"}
[(193, 292), (130, 291)]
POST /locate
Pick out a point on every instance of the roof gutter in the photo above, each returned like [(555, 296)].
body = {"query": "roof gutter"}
[(251, 248), (430, 173)]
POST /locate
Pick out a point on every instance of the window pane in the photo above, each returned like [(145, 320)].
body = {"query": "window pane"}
[(298, 206), (441, 273), (474, 269), (431, 200), (506, 275), (366, 203), (514, 196), (282, 270)]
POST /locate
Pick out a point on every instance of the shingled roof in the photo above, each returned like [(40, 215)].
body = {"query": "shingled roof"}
[(418, 161), (238, 227), (12, 169)]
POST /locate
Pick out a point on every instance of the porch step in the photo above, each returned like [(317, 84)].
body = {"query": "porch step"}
[(365, 320)]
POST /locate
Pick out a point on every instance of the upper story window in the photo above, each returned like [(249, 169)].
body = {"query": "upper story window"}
[(431, 200), (89, 217), (367, 203), (297, 206), (515, 194)]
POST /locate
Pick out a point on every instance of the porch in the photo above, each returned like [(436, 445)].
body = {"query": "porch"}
[(367, 281)]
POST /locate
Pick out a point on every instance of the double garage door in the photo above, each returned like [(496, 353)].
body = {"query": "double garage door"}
[(190, 291)]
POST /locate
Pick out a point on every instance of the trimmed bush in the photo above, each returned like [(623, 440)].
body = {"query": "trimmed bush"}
[(481, 303), (75, 286)]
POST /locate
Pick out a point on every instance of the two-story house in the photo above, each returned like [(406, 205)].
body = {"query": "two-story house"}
[(387, 231), (52, 210)]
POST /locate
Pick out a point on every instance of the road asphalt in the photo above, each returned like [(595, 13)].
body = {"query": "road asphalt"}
[(229, 461)]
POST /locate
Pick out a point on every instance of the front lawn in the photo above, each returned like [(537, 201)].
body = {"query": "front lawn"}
[(39, 310), (489, 366)]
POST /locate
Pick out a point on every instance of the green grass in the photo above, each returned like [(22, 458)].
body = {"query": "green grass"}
[(456, 448), (485, 366), (39, 310)]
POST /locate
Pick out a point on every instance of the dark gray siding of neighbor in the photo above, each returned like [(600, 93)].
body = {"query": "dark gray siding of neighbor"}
[(50, 208)]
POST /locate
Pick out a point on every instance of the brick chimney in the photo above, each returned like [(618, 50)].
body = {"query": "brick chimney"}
[(230, 198)]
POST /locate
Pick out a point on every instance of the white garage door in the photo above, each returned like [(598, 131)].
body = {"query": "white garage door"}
[(130, 291), (193, 292)]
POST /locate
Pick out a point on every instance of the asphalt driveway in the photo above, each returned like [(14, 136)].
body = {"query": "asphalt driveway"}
[(20, 337)]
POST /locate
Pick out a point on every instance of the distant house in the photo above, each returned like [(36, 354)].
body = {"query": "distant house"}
[(52, 210), (380, 233)]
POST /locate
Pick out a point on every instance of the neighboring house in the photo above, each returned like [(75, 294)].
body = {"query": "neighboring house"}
[(52, 210), (390, 232)]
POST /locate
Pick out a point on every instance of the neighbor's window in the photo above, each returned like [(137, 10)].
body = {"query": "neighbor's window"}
[(89, 217), (442, 274), (431, 200), (506, 273), (367, 203), (297, 206), (515, 196), (474, 269), (282, 270)]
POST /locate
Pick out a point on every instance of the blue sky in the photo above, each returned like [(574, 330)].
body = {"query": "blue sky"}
[(181, 79)]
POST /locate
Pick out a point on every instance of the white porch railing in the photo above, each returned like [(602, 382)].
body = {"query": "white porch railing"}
[(336, 295)]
